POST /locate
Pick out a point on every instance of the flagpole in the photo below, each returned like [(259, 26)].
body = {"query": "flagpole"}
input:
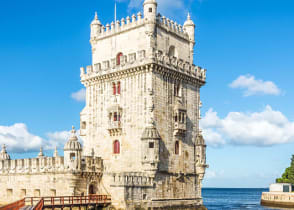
[(115, 11)]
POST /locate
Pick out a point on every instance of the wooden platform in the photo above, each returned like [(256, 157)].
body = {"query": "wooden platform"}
[(39, 203)]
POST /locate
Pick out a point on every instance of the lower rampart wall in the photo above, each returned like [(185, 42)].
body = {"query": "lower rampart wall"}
[(277, 199)]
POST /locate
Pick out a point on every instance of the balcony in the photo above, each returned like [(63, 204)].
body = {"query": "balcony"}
[(179, 129), (114, 128)]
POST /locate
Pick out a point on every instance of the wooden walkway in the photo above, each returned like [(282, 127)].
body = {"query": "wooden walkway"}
[(39, 203)]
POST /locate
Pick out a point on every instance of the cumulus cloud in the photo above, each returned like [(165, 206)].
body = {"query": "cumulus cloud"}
[(265, 128), (19, 139), (252, 86), (79, 95)]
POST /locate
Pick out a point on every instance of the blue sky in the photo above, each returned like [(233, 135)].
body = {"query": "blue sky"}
[(246, 45)]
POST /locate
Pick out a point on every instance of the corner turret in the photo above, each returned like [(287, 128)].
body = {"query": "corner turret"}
[(150, 10), (72, 152), (189, 27), (4, 155), (150, 148), (95, 26)]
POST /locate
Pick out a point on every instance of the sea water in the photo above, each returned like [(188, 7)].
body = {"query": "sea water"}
[(235, 199)]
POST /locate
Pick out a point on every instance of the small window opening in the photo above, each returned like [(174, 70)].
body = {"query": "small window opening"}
[(116, 147), (118, 88), (150, 10), (177, 89), (114, 88), (151, 145), (177, 148), (84, 125), (72, 156), (118, 59), (9, 193), (115, 117)]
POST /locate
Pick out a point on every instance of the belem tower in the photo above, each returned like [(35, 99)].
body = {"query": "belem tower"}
[(140, 125)]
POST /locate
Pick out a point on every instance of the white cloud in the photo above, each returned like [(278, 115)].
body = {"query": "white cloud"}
[(252, 86), (19, 139), (79, 95), (265, 128)]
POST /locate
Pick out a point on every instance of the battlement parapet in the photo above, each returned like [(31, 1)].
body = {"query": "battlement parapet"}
[(139, 58), (46, 165), (119, 26), (34, 165), (180, 65), (172, 27), (132, 179), (110, 66)]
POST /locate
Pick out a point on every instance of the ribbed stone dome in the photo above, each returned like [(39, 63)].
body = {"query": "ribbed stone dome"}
[(73, 144), (3, 154), (150, 132)]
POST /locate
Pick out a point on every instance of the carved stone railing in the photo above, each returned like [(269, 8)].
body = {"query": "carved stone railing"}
[(132, 179)]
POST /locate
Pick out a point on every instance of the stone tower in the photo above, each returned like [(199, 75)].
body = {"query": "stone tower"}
[(143, 109)]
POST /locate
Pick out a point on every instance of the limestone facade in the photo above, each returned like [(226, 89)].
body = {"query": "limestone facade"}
[(140, 124), (143, 109)]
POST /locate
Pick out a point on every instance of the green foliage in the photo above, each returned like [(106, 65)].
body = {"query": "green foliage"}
[(288, 175)]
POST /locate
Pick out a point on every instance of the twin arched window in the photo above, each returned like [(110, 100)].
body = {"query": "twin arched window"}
[(116, 147), (116, 88)]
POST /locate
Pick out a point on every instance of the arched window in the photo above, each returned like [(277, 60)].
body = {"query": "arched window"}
[(177, 148), (114, 88), (116, 147), (115, 116), (118, 58), (172, 51), (177, 89), (118, 87)]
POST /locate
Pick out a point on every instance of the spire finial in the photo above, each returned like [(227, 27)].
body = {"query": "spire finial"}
[(96, 16), (3, 148), (55, 152), (41, 152), (189, 16), (73, 136)]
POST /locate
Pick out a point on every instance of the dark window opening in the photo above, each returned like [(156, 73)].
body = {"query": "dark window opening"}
[(118, 88), (177, 148), (151, 145), (150, 10), (114, 88)]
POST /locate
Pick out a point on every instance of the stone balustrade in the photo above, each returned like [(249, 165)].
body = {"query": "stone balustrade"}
[(132, 179)]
